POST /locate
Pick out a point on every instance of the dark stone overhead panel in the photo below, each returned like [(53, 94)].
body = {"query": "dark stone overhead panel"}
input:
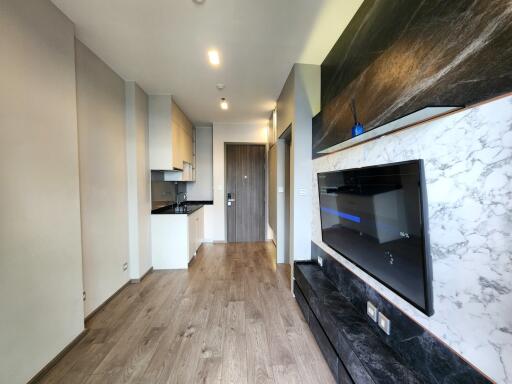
[(398, 56)]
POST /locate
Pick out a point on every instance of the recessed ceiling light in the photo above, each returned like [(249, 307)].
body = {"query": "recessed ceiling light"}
[(213, 56), (224, 104)]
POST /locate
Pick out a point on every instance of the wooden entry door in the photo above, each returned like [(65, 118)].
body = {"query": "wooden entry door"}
[(245, 192)]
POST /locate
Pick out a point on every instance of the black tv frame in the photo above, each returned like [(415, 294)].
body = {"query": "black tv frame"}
[(427, 259)]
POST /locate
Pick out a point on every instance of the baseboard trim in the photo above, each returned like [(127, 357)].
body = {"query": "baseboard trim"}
[(39, 375), (136, 281), (75, 341), (102, 305)]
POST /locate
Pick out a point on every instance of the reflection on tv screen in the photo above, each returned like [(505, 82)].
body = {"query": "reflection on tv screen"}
[(374, 217)]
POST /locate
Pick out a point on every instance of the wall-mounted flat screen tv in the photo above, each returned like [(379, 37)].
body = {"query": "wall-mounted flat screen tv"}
[(376, 217)]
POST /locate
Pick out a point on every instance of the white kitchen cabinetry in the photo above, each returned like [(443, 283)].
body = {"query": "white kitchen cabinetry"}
[(195, 232), (175, 239), (171, 139)]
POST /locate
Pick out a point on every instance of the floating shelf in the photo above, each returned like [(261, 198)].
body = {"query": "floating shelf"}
[(420, 116)]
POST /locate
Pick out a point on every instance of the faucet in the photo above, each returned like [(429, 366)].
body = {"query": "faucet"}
[(178, 202)]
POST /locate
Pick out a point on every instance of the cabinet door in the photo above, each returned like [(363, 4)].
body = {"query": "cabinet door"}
[(191, 236), (177, 136), (188, 145), (200, 229), (198, 241)]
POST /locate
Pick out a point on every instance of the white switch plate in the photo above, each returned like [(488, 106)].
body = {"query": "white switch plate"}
[(384, 323), (320, 261), (371, 310), (280, 189)]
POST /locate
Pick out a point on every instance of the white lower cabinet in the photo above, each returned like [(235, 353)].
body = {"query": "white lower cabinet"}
[(195, 232), (175, 239)]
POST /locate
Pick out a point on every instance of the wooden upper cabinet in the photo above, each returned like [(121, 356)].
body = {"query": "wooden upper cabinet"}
[(183, 136), (171, 142)]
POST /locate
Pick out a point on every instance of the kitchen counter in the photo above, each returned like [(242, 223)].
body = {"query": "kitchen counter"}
[(185, 209), (176, 235)]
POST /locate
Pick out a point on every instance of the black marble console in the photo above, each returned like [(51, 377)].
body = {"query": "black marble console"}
[(333, 301)]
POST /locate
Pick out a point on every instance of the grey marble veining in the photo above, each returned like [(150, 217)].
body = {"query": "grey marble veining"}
[(366, 358), (396, 57), (468, 167)]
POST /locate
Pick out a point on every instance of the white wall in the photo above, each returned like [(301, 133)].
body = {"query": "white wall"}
[(215, 224), (468, 168), (103, 177), (202, 188), (41, 308), (139, 180)]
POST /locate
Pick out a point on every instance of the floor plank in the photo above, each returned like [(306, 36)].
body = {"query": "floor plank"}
[(230, 318)]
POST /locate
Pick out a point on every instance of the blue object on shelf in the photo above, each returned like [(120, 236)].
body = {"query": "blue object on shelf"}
[(357, 129)]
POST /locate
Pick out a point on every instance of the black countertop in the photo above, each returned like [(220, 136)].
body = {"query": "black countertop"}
[(184, 209)]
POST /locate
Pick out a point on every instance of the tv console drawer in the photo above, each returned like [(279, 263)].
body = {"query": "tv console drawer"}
[(336, 366)]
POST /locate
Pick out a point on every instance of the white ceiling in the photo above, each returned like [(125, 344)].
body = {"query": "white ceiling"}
[(163, 44)]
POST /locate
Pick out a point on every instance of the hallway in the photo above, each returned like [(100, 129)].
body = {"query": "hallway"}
[(229, 319)]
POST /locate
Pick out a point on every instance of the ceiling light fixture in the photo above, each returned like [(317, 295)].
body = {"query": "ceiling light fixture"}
[(224, 104), (213, 56), (220, 86)]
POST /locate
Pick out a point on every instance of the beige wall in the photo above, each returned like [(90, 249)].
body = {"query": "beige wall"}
[(103, 178), (139, 179), (226, 133), (298, 102), (41, 308), (285, 106), (307, 104)]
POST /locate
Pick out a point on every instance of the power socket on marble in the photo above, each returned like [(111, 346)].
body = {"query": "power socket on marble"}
[(371, 311), (384, 323)]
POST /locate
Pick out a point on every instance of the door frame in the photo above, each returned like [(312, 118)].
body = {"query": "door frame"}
[(265, 195)]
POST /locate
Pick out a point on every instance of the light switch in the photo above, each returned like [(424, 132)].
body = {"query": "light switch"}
[(280, 189), (384, 323), (371, 310), (320, 261)]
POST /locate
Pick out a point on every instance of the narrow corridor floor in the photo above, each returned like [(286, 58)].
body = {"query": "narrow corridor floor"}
[(230, 318)]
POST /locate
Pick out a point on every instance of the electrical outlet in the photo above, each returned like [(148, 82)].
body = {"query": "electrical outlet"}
[(371, 311), (125, 266), (320, 261), (384, 323), (84, 296)]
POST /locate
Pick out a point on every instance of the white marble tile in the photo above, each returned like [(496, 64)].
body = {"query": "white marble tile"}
[(468, 166)]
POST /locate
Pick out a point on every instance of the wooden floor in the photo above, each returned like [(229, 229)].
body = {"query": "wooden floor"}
[(229, 319)]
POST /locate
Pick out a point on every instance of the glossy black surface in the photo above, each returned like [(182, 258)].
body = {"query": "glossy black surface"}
[(396, 57), (374, 216), (183, 209), (417, 348), (365, 358)]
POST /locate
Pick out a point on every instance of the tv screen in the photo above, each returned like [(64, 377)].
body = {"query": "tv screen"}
[(377, 218)]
